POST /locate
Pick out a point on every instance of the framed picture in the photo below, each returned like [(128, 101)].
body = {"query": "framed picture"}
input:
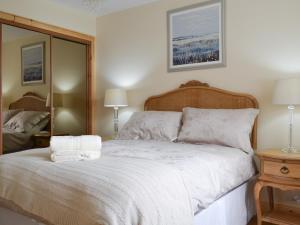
[(196, 36), (33, 64)]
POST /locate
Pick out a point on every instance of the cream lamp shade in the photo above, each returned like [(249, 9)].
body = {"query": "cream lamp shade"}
[(115, 98), (287, 92)]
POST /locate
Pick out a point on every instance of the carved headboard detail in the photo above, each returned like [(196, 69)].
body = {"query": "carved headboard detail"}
[(30, 102), (200, 95), (194, 83)]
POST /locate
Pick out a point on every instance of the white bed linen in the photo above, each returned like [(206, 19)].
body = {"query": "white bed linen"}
[(15, 141), (235, 208), (208, 172)]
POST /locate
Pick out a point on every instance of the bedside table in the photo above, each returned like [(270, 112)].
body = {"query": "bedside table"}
[(278, 170), (41, 140)]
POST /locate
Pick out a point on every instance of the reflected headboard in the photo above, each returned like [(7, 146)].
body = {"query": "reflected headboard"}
[(200, 95), (30, 102)]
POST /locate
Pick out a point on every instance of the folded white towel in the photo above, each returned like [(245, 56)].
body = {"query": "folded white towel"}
[(90, 143), (70, 148), (75, 156), (75, 143), (65, 158)]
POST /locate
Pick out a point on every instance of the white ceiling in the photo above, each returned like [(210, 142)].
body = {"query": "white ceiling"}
[(10, 33), (104, 7)]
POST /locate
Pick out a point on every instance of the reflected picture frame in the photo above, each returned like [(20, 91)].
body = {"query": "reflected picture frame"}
[(196, 36), (33, 64)]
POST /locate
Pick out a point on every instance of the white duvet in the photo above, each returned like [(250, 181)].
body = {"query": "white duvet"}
[(133, 183)]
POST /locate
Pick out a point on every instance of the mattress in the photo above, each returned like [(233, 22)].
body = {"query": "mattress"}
[(207, 171)]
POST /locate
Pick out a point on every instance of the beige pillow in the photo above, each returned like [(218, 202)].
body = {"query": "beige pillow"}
[(25, 121), (152, 125), (40, 126), (228, 127), (7, 115)]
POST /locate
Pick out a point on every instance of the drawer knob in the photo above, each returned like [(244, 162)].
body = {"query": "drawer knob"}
[(284, 170)]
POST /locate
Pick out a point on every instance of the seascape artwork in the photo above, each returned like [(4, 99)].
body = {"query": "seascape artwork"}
[(33, 64), (196, 37)]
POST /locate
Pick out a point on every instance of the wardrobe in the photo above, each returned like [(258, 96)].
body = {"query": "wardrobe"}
[(46, 84)]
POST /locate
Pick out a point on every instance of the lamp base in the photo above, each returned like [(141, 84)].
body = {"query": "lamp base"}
[(116, 121), (290, 150)]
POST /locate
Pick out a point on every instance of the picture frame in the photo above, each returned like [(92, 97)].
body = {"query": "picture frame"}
[(196, 36), (33, 64)]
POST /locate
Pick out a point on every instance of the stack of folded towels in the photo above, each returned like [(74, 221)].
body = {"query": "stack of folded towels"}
[(71, 148)]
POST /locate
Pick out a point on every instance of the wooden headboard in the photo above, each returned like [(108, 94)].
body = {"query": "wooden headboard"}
[(200, 95), (30, 102)]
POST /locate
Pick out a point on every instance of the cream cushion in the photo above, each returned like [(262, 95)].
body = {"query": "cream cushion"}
[(152, 125), (25, 121), (227, 127), (7, 115)]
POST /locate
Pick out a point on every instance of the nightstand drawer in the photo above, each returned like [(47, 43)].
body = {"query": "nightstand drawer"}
[(282, 169)]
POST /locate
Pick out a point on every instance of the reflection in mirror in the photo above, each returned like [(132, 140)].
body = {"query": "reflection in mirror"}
[(69, 73), (25, 85)]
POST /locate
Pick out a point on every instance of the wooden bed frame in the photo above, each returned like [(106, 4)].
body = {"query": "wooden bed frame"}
[(31, 101), (200, 95)]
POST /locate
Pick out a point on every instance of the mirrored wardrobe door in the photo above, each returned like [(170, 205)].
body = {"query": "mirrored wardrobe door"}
[(25, 70), (69, 80)]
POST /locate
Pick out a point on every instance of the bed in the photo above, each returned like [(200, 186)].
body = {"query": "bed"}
[(14, 141), (133, 176)]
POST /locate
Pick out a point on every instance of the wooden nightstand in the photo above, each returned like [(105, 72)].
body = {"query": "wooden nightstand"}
[(41, 140), (278, 170)]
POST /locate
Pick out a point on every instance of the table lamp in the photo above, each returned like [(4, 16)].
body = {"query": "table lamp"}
[(115, 98), (287, 92)]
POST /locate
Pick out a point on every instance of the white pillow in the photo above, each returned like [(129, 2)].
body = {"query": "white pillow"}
[(7, 115), (25, 121), (152, 125), (228, 127), (40, 126)]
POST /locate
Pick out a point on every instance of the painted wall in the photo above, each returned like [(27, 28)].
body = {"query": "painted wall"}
[(52, 13), (262, 42), (262, 39), (69, 87), (11, 84)]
